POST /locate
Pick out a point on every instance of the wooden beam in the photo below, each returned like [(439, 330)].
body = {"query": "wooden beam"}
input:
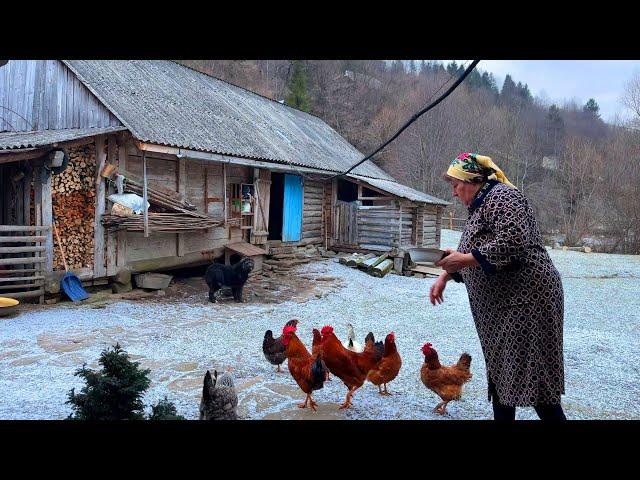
[(22, 249), (121, 251), (98, 229), (144, 194), (26, 202), (21, 261), (23, 154), (224, 190), (182, 188), (150, 147), (34, 293), (47, 216), (112, 239)]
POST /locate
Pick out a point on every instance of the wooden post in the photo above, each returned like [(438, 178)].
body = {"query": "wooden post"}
[(144, 193), (98, 229), (400, 228), (27, 198), (112, 239), (182, 188), (47, 216), (121, 254), (450, 220)]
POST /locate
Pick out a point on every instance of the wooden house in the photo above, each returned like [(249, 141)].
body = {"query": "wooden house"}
[(220, 166)]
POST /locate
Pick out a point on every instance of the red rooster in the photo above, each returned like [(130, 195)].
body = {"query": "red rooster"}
[(350, 367), (309, 371)]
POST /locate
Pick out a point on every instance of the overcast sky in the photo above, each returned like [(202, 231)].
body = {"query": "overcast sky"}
[(558, 80)]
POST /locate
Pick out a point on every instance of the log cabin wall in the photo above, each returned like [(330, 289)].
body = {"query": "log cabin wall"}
[(312, 216), (328, 214), (431, 224), (203, 185), (386, 226)]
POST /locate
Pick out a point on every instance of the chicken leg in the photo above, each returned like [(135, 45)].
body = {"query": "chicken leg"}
[(385, 392), (347, 402), (309, 400), (441, 408)]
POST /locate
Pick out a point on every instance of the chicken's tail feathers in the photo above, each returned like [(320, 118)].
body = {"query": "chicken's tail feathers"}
[(318, 372), (369, 337), (379, 346), (465, 361)]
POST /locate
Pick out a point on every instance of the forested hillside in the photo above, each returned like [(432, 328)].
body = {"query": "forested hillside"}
[(581, 174)]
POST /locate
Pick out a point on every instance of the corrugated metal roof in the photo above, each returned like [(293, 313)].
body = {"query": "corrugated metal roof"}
[(17, 140), (166, 103), (401, 190)]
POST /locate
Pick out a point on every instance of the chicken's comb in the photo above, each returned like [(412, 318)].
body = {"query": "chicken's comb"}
[(426, 347), (327, 329), (292, 323), (288, 330)]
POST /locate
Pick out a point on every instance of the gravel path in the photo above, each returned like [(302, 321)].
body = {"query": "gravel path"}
[(41, 348)]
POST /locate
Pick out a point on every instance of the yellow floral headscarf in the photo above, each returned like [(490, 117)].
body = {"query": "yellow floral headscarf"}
[(470, 166)]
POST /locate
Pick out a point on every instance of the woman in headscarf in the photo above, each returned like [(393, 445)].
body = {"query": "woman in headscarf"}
[(515, 292)]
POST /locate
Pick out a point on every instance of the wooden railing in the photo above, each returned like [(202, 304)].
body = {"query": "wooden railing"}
[(22, 263)]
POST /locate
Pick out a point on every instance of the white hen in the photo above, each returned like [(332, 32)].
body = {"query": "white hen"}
[(351, 343)]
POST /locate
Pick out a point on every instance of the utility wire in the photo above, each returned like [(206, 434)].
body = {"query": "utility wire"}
[(412, 119)]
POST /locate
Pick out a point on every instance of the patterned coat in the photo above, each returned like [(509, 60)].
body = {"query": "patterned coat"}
[(516, 298)]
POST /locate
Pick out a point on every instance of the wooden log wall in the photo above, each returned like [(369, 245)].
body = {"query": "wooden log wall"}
[(312, 216), (203, 185), (328, 214), (386, 226), (430, 226)]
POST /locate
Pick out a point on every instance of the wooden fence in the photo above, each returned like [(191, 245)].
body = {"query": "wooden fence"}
[(22, 263)]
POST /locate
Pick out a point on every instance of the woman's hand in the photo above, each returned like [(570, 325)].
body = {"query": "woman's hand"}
[(456, 261), (437, 289)]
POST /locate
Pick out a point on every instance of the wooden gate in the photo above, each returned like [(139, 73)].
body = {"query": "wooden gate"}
[(346, 223)]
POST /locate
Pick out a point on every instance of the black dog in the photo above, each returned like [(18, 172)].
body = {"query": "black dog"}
[(234, 276)]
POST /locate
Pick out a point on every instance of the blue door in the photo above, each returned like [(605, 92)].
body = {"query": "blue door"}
[(292, 214)]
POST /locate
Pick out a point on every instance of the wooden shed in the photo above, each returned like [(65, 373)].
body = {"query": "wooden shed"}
[(217, 163)]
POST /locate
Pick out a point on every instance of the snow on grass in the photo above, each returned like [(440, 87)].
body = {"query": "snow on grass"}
[(180, 341)]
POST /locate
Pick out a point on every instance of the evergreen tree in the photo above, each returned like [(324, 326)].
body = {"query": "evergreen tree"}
[(164, 410), (424, 68), (508, 91), (115, 393), (452, 68), (524, 92), (489, 83), (397, 67), (298, 96), (592, 108)]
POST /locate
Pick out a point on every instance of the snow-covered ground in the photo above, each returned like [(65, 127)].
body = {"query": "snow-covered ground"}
[(41, 348)]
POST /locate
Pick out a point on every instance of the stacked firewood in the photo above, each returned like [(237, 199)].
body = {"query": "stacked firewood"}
[(74, 194), (79, 176)]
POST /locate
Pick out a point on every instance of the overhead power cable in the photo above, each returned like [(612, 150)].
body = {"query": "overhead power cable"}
[(412, 119)]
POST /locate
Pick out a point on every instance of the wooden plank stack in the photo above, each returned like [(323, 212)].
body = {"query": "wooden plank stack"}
[(74, 193), (175, 213)]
